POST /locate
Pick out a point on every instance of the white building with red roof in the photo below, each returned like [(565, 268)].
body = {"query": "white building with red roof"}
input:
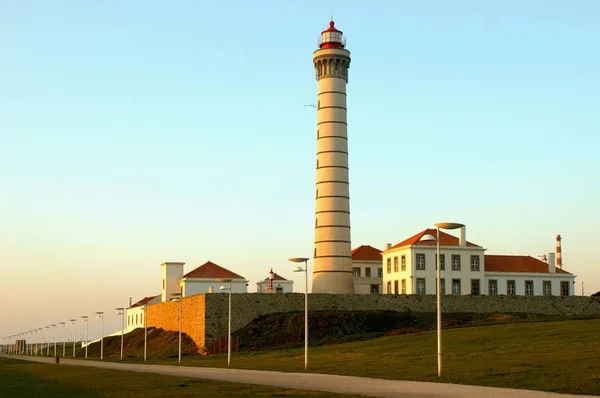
[(208, 277), (366, 270), (275, 283), (409, 267)]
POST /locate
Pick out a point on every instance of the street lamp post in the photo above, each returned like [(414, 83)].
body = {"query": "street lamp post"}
[(54, 332), (100, 315), (47, 340), (223, 288), (305, 270), (62, 325), (84, 318), (449, 226), (145, 331), (121, 311), (74, 323), (177, 297)]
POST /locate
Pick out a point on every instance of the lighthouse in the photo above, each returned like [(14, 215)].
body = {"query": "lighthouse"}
[(332, 272)]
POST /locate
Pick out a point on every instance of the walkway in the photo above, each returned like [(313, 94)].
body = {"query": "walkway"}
[(320, 382)]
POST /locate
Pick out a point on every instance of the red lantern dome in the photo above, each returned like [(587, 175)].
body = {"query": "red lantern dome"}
[(332, 38)]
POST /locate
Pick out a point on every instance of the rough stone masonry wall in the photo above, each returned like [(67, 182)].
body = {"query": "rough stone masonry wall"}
[(246, 307), (166, 316)]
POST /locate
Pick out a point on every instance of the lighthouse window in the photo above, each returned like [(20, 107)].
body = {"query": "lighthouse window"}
[(319, 106), (317, 134), (316, 222), (315, 252)]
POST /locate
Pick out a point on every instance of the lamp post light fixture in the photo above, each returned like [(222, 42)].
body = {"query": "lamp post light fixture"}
[(100, 315), (84, 318), (449, 226), (177, 298), (62, 325), (224, 289), (305, 270), (145, 331), (121, 311)]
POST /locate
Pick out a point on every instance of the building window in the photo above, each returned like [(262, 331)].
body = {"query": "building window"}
[(475, 286), (374, 288), (456, 262), (356, 272), (136, 319), (474, 263), (403, 263), (380, 272), (420, 261), (442, 286), (389, 287), (442, 262), (420, 285), (455, 286), (529, 288), (510, 288), (396, 286), (163, 284), (396, 264), (547, 288), (403, 286), (564, 289), (142, 318), (389, 265), (128, 320), (367, 272), (493, 287)]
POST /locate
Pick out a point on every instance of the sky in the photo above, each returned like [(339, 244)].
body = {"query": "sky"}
[(139, 132)]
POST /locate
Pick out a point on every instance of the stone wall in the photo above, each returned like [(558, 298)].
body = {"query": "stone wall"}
[(166, 316), (246, 307), (205, 315)]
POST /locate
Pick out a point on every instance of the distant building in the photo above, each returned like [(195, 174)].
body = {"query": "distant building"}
[(409, 267), (275, 283), (135, 313), (366, 270)]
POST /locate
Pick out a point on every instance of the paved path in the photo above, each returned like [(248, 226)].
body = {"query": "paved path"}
[(319, 382)]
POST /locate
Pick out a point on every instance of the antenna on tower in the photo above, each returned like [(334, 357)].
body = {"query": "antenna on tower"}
[(331, 13)]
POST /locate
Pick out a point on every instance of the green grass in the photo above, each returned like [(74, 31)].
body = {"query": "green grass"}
[(550, 356), (32, 379)]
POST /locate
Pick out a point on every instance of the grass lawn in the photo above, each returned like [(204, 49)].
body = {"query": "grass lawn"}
[(550, 356), (31, 379)]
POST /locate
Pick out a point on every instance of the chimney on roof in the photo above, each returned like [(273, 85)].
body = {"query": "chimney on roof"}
[(462, 241), (558, 253), (388, 246), (129, 302), (551, 263)]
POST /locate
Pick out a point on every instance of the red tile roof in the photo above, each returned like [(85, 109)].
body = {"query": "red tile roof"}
[(366, 253), (211, 270), (445, 240), (276, 277), (143, 301), (499, 263)]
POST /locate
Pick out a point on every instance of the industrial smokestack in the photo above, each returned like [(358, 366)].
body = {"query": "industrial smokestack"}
[(558, 254)]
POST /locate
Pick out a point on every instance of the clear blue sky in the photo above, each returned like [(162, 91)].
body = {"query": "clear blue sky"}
[(138, 132)]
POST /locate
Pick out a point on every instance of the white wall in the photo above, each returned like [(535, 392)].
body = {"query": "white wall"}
[(362, 283), (263, 286), (521, 277), (411, 275), (171, 273), (194, 286)]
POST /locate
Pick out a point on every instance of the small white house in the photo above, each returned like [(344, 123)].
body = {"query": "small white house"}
[(206, 279), (275, 283), (366, 270)]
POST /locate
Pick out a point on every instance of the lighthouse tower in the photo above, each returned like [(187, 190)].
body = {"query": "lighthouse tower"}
[(332, 271)]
